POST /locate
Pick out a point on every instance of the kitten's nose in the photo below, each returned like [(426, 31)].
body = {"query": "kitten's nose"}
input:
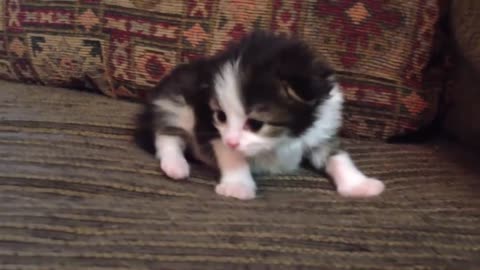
[(232, 144)]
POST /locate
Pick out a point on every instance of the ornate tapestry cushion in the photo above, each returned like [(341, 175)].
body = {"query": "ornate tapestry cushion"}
[(124, 47)]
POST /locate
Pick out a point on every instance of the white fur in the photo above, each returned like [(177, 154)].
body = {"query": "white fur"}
[(350, 181), (181, 113), (319, 155), (329, 120), (252, 144), (227, 92), (236, 180), (283, 158), (170, 153)]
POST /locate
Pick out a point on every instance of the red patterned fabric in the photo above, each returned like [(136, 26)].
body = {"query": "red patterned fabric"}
[(124, 47)]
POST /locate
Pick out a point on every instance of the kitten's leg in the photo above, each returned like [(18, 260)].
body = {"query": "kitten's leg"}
[(170, 153), (349, 180), (173, 122), (236, 179)]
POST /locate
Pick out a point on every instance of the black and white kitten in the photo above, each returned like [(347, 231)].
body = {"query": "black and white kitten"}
[(262, 106)]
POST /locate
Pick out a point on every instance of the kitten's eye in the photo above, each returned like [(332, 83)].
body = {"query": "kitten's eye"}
[(254, 125), (220, 116)]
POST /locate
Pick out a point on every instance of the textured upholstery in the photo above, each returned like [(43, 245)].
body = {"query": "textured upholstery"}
[(465, 17), (123, 47), (75, 193), (463, 95)]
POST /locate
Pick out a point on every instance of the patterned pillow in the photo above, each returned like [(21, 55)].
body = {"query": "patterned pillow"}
[(124, 47)]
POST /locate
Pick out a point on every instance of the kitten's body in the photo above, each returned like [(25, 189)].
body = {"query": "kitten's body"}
[(262, 106)]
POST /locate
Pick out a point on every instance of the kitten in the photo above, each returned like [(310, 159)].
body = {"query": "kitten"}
[(261, 106)]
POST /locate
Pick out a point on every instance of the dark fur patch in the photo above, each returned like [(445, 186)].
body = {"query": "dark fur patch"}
[(144, 134)]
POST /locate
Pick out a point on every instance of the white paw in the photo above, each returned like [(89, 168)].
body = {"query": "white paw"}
[(243, 190), (175, 167), (368, 187)]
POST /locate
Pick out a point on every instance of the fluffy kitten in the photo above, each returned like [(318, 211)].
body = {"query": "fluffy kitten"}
[(262, 106)]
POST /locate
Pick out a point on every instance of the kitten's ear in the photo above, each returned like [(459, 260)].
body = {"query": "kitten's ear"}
[(308, 84), (309, 79), (303, 76)]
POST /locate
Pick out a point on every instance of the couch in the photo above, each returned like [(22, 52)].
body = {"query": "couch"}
[(77, 193)]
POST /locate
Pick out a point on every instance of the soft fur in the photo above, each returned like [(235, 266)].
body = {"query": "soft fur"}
[(261, 106)]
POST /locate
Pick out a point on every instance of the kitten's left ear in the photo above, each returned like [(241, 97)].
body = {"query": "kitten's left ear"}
[(308, 84), (309, 79)]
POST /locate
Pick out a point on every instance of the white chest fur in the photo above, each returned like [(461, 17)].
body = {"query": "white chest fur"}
[(283, 159)]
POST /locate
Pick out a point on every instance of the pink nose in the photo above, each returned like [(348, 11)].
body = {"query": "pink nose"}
[(232, 144)]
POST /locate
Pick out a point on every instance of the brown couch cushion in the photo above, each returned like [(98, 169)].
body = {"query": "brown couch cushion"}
[(463, 98), (75, 193), (123, 47), (463, 95), (465, 21)]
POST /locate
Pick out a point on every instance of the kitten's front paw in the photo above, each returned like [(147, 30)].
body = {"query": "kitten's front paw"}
[(368, 187), (243, 190), (175, 167)]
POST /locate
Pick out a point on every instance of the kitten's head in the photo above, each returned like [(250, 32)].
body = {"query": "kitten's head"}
[(267, 91)]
